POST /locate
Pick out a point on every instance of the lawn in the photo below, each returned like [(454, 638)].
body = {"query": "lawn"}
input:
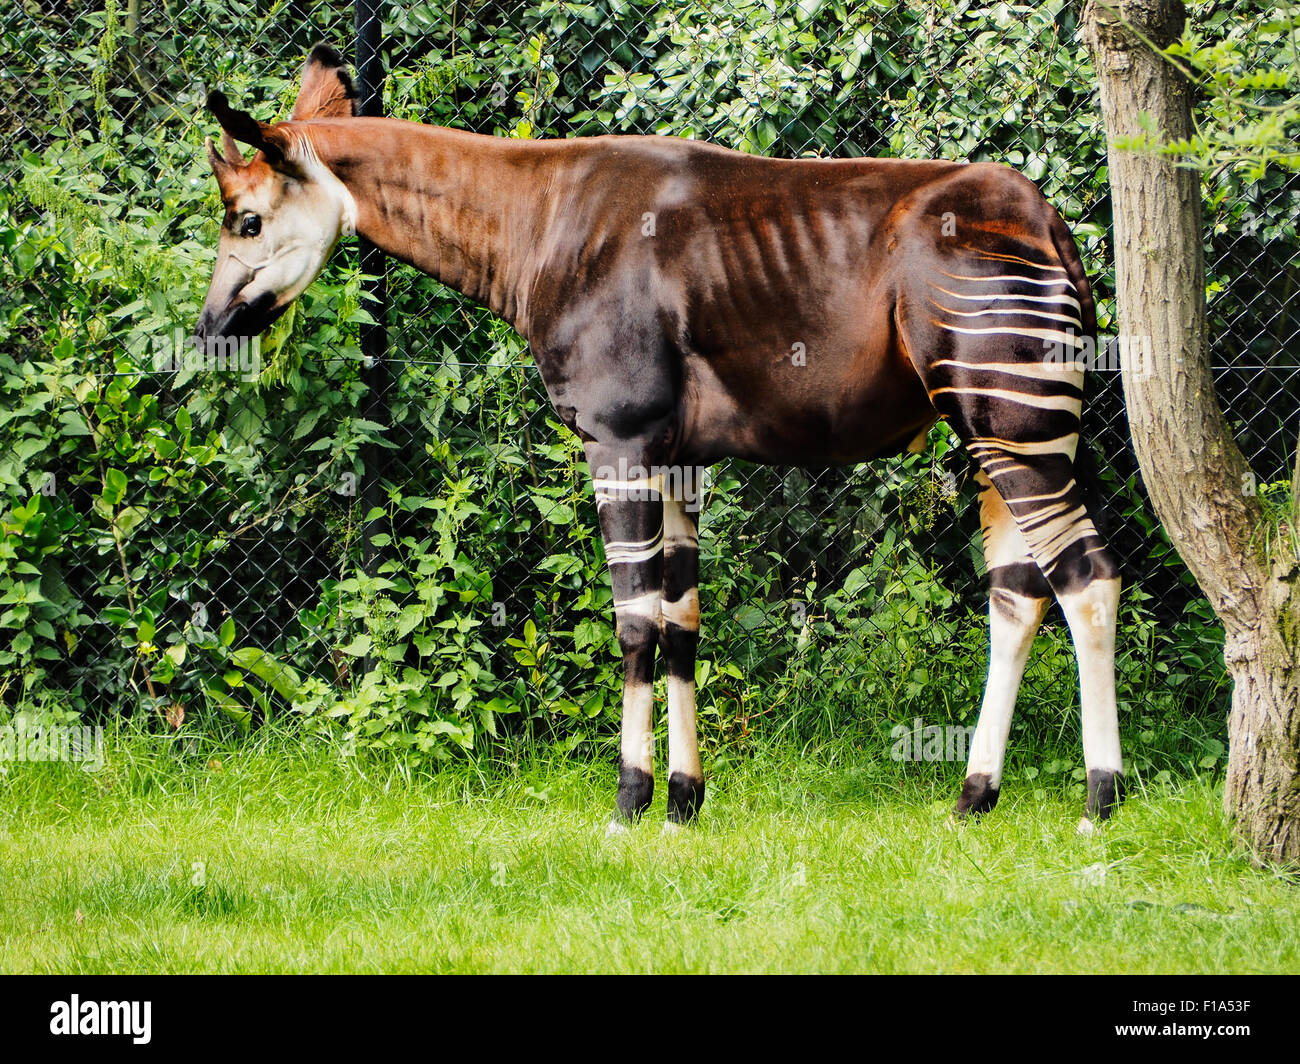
[(269, 857)]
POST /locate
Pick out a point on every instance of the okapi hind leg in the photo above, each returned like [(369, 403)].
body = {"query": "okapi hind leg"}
[(1092, 613), (1000, 332), (1037, 484), (679, 636), (631, 522), (1018, 597)]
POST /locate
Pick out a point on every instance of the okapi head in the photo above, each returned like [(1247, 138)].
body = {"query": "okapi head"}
[(284, 210)]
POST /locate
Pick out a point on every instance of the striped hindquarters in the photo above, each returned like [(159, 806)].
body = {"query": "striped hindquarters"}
[(1007, 372)]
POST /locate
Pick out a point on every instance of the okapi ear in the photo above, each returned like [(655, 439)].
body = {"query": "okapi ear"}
[(220, 164), (242, 126), (327, 90), (231, 150)]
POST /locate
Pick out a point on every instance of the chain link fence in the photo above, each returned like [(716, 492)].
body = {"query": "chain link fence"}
[(406, 553)]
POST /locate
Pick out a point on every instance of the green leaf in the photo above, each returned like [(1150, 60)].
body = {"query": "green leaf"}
[(114, 487), (129, 518), (281, 678), (228, 705), (358, 647)]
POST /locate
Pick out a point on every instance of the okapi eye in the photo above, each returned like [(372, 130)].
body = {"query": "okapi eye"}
[(251, 227)]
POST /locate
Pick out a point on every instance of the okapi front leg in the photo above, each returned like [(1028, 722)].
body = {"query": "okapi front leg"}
[(631, 522), (679, 637)]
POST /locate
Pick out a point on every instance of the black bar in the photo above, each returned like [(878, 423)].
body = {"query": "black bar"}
[(1022, 1014)]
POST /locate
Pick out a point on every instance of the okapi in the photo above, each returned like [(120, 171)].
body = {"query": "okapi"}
[(685, 303)]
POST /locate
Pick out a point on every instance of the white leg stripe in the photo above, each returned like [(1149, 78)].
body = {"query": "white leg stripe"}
[(679, 531), (630, 553), (1010, 640), (1040, 371), (637, 742), (685, 611), (638, 487), (1003, 543), (646, 605), (998, 256), (683, 741), (635, 544), (1010, 277), (1091, 615), (1051, 335), (1020, 311), (1066, 445), (1042, 402), (1053, 299), (1044, 498)]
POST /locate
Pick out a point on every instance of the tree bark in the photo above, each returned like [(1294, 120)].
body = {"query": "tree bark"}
[(1199, 482)]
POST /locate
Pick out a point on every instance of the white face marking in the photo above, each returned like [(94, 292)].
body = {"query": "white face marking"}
[(302, 217)]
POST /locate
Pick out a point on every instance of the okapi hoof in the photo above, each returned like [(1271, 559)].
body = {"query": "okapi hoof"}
[(978, 795), (685, 797), (1105, 792), (636, 787)]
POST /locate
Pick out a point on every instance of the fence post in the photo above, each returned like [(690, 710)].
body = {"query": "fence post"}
[(374, 338)]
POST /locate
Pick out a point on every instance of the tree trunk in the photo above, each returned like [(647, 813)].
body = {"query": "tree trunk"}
[(1199, 482)]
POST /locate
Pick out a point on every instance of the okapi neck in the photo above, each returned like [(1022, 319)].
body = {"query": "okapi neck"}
[(464, 208)]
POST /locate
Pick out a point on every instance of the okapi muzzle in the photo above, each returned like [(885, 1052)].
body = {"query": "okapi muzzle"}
[(685, 303)]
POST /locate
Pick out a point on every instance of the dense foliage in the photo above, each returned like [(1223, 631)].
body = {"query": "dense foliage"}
[(185, 543)]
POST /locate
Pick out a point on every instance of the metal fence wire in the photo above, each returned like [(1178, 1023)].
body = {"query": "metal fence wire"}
[(406, 550)]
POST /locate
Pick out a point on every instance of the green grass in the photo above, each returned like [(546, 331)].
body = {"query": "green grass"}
[(826, 860)]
